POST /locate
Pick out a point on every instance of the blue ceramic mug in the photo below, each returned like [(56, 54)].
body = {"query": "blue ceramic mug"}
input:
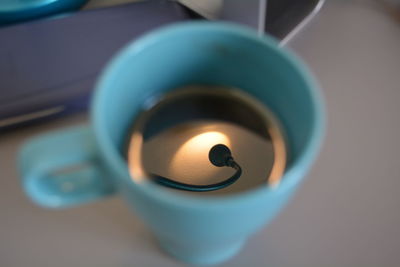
[(86, 163)]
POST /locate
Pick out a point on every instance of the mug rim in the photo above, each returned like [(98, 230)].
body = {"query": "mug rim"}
[(292, 176)]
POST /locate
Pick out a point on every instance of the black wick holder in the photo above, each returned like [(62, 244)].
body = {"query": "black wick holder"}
[(219, 156)]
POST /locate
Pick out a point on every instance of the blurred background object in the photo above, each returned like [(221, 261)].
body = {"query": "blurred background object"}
[(13, 11), (48, 67), (107, 3)]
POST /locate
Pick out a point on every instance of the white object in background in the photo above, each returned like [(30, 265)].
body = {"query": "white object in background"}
[(210, 9)]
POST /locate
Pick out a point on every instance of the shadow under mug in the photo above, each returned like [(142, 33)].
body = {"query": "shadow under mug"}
[(86, 163)]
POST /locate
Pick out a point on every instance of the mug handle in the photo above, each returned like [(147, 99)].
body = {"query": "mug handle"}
[(63, 169)]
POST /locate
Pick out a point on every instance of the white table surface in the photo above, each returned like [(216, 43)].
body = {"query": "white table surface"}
[(346, 213)]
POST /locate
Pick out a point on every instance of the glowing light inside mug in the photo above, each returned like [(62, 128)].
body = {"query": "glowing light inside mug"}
[(194, 153), (135, 155), (204, 141)]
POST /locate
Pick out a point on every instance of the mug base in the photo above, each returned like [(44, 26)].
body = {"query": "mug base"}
[(201, 256)]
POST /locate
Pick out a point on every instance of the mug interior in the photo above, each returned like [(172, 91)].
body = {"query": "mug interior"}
[(208, 54)]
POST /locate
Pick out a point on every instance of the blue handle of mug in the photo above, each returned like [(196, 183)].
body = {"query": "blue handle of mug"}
[(63, 169)]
